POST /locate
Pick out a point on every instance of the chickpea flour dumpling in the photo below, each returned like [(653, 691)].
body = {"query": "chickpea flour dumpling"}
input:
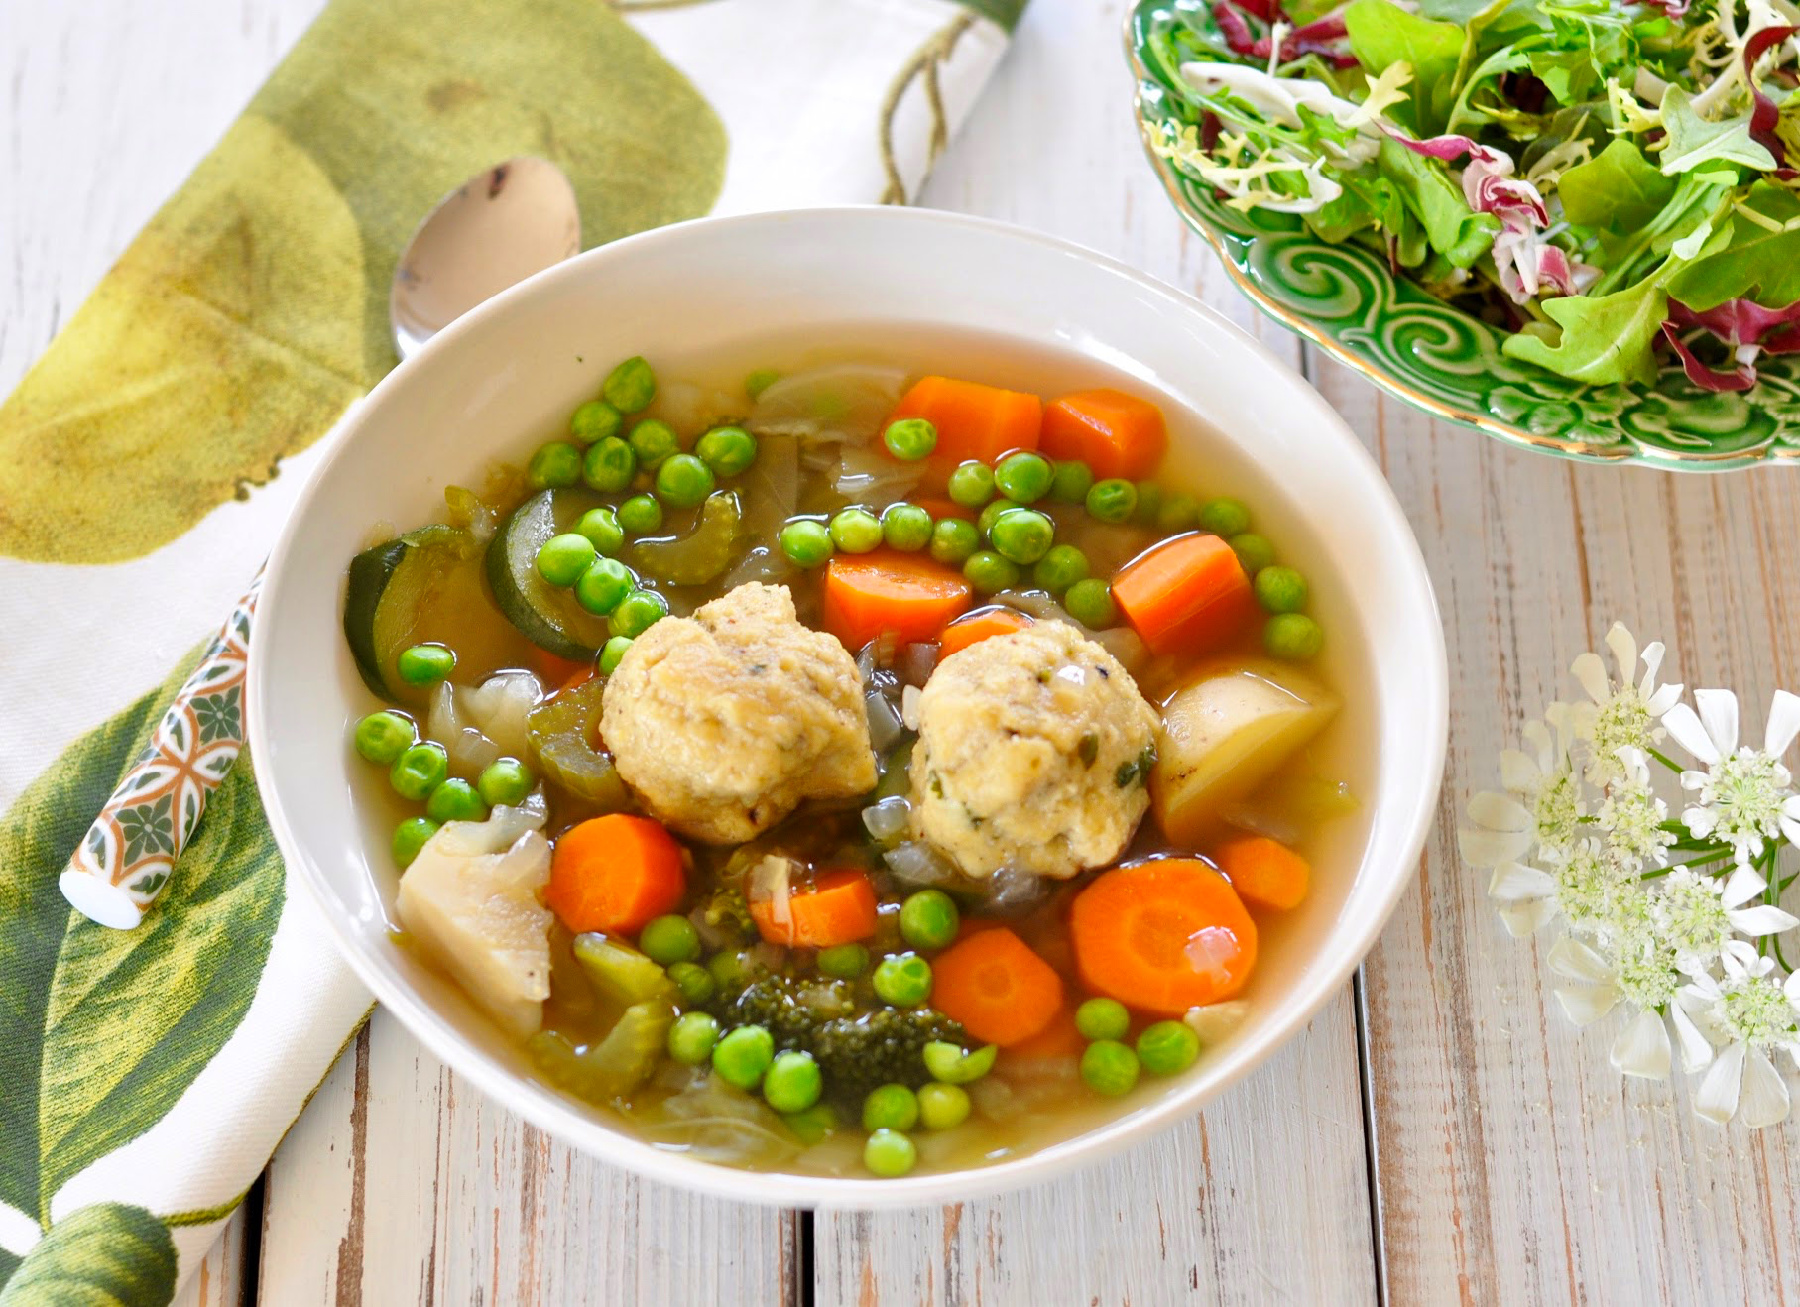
[(724, 722), (1035, 750), (849, 771)]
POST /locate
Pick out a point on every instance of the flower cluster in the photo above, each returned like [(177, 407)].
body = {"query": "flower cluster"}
[(1673, 916)]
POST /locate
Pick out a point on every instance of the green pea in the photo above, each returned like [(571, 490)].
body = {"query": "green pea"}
[(1090, 602), (1071, 482), (425, 664), (910, 438), (903, 979), (1109, 1067), (605, 582), (889, 1154), (906, 527), (555, 465), (1225, 517), (1102, 1018), (995, 510), (728, 451), (631, 386), (845, 961), (562, 559), (694, 1038), (728, 968), (1253, 551), (813, 1126), (683, 480), (929, 919), (805, 543), (1112, 501), (505, 782), (594, 420), (953, 540), (694, 982), (653, 440), (954, 1066), (1061, 567), (612, 652), (793, 1082), (636, 613), (409, 837), (989, 573), (1149, 504), (943, 1107), (891, 1107), (971, 483), (601, 527), (1167, 1047), (855, 530), (382, 737), (1280, 590), (1023, 536), (1024, 477), (759, 381), (609, 465), (456, 800), (743, 1055), (1178, 513), (641, 515), (420, 770), (1292, 635), (669, 938)]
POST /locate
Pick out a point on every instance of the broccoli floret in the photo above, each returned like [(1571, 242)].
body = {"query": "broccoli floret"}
[(791, 1009), (728, 913)]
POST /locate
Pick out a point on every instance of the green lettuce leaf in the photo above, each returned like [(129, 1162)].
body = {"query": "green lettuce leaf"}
[(1693, 140), (1454, 229), (1754, 263), (1617, 190), (1382, 34), (1601, 340)]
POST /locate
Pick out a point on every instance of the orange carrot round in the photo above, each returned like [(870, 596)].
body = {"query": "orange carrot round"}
[(1116, 434), (886, 590), (1186, 595), (1163, 936), (982, 624), (1263, 871), (1058, 1038), (839, 909), (972, 420), (1000, 990), (614, 874)]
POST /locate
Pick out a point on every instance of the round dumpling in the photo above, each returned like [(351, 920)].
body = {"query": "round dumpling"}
[(1034, 750), (724, 722)]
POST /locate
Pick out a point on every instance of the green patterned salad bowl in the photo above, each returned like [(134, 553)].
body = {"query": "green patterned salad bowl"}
[(1346, 300)]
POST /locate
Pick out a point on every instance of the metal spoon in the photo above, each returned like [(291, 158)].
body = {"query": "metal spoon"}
[(492, 232)]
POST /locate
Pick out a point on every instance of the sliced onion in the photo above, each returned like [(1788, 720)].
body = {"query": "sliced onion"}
[(763, 563), (1012, 891), (470, 751), (851, 398), (884, 720), (917, 863), (863, 474), (771, 882), (1216, 1020), (909, 707), (499, 706), (916, 662), (886, 819)]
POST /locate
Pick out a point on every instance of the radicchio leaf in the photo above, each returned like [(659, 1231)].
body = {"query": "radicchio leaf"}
[(1744, 327), (1324, 37), (1674, 9), (1765, 113)]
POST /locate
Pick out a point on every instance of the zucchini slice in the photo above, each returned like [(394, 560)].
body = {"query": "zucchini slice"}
[(389, 585), (544, 614)]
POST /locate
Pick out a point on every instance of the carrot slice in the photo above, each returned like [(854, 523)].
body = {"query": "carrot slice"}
[(839, 909), (1116, 434), (1163, 936), (1000, 990), (614, 873), (561, 671), (909, 594), (972, 420), (982, 624), (1059, 1038), (1186, 595), (1264, 871), (941, 507)]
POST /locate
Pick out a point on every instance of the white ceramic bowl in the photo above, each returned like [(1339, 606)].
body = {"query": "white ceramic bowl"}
[(511, 371)]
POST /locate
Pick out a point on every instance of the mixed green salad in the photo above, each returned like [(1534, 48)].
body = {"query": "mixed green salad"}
[(1614, 183)]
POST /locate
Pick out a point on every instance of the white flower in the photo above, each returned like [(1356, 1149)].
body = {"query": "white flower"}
[(1542, 803), (1744, 794), (1696, 915), (1749, 1013), (1644, 977), (1622, 715), (1632, 816)]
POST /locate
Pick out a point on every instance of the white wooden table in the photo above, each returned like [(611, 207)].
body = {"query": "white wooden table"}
[(1437, 1134)]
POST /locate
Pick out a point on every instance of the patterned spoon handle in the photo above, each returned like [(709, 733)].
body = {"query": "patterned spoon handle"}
[(128, 854)]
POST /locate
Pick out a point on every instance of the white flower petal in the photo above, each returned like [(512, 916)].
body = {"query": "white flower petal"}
[(1719, 712), (1717, 1100), (1591, 672), (1624, 648), (1653, 656), (1527, 917), (1498, 811), (1765, 919), (1789, 824), (1665, 698), (1696, 1052), (1642, 1048), (1739, 958), (1586, 1004), (1744, 885), (1700, 821), (1784, 723), (1570, 957), (1518, 772), (1685, 729), (1513, 881), (1490, 848), (1791, 988), (1765, 1095)]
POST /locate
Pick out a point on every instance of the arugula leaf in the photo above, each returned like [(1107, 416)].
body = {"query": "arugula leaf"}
[(1618, 190), (1454, 229), (1694, 140), (1505, 19), (1602, 340), (1569, 75), (1382, 34), (1755, 263)]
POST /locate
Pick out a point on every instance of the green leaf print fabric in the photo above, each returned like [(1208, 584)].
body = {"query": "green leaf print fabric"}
[(148, 459)]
